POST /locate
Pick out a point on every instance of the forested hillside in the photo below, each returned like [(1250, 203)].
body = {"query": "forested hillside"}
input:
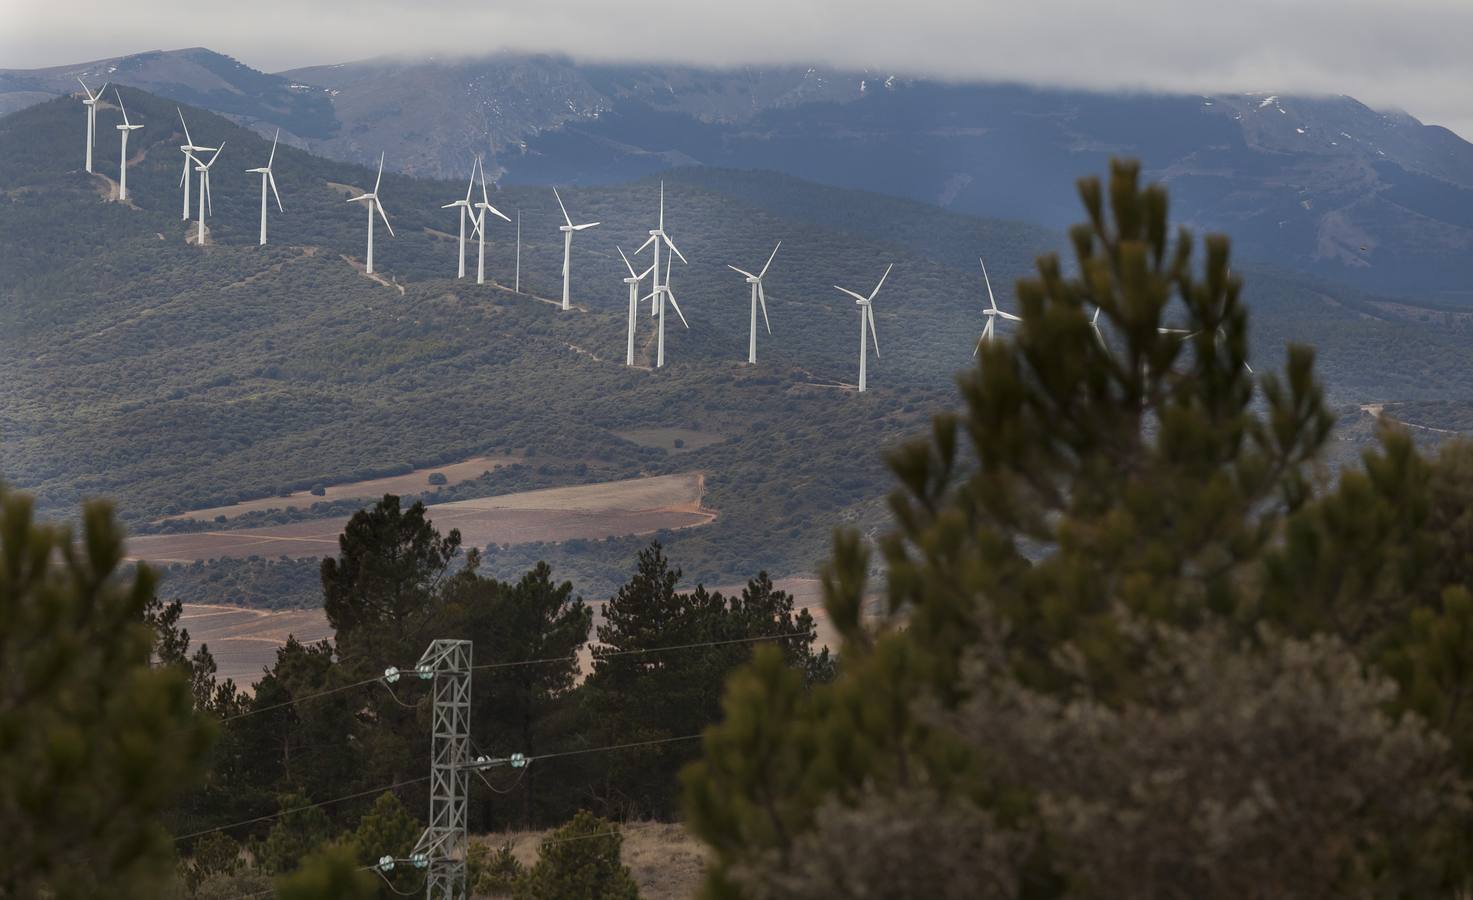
[(137, 366)]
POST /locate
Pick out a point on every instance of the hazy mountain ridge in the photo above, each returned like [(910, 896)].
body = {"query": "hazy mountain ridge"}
[(1322, 185)]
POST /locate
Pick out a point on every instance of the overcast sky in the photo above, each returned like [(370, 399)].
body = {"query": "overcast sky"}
[(1409, 54)]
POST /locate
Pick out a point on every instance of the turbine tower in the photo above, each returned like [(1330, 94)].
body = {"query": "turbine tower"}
[(123, 130), (664, 293), (480, 220), (633, 281), (268, 178), (91, 104), (188, 148), (464, 205), (203, 168), (867, 321), (567, 231), (993, 314), (517, 285), (374, 204), (759, 296)]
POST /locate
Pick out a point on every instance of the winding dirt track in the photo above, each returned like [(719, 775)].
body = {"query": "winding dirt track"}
[(635, 506)]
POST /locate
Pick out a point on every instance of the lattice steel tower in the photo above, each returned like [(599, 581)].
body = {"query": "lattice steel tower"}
[(443, 844)]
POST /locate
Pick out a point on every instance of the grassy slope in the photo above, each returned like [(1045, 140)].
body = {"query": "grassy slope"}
[(137, 367)]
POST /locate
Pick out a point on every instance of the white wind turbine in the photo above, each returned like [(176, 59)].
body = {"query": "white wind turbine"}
[(567, 231), (759, 296), (633, 281), (464, 205), (268, 178), (374, 204), (123, 130), (665, 293), (480, 222), (187, 148), (993, 313), (867, 318), (657, 235), (203, 168), (91, 104)]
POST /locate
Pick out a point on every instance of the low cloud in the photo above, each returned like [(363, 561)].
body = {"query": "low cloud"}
[(1410, 55)]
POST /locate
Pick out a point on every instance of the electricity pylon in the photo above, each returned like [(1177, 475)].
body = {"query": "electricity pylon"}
[(442, 847)]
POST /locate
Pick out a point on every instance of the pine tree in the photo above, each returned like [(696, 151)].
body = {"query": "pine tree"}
[(94, 743), (1103, 512), (580, 859)]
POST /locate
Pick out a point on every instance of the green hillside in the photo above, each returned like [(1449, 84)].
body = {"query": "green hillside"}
[(169, 377)]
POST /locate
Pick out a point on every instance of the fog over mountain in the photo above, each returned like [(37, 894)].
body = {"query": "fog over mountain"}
[(1409, 55)]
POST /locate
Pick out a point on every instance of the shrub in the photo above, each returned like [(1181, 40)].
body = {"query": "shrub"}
[(580, 859), (438, 478)]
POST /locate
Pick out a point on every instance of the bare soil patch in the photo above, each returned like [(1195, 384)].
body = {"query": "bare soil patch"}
[(411, 483), (244, 641), (592, 511)]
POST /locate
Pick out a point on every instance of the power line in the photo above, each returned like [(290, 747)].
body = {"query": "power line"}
[(669, 740), (297, 809)]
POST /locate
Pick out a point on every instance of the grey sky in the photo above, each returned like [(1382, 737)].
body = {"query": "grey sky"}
[(1411, 54)]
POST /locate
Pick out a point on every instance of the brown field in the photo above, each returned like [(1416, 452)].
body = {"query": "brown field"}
[(634, 506), (411, 483), (665, 438), (244, 641), (663, 857)]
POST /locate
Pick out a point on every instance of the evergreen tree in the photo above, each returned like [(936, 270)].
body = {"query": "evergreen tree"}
[(580, 859), (388, 830), (637, 693), (94, 742), (378, 592), (329, 874), (300, 830), (1077, 555)]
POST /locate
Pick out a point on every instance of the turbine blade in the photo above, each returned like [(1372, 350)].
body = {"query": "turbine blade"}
[(182, 173), (383, 215), (742, 271), (496, 212), (272, 158), (359, 197), (770, 259), (850, 293), (88, 91), (980, 338), (671, 294), (869, 314), (121, 107), (645, 273), (209, 195), (649, 296), (481, 167), (877, 290), (646, 244), (990, 299), (380, 173), (626, 261), (581, 227), (562, 207), (1009, 316), (662, 204), (187, 139), (470, 185), (217, 153), (673, 248), (762, 301), (271, 179)]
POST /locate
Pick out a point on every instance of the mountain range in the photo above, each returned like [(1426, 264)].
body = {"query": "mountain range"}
[(138, 366), (1319, 185)]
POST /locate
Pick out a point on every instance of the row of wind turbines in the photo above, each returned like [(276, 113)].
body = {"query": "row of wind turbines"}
[(659, 241)]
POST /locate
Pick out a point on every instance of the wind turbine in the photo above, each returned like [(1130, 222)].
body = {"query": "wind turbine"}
[(484, 207), (267, 177), (91, 104), (992, 313), (374, 204), (567, 231), (123, 130), (517, 285), (1188, 335), (188, 148), (665, 293), (633, 281), (867, 318), (203, 168), (759, 296), (656, 236), (464, 206)]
